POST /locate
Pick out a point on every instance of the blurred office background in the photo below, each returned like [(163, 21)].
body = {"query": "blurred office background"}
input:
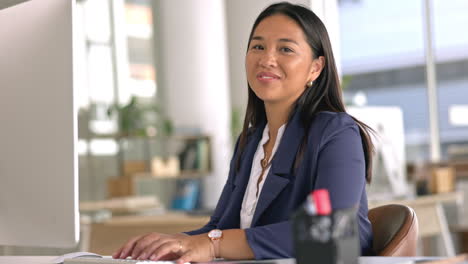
[(162, 94)]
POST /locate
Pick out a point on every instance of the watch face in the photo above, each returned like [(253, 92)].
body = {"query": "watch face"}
[(215, 233)]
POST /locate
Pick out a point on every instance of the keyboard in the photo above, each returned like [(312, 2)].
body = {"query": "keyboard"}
[(85, 260)]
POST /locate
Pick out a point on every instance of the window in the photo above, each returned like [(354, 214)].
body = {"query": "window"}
[(114, 59)]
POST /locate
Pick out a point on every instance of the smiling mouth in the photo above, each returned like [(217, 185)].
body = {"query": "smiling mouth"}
[(267, 77)]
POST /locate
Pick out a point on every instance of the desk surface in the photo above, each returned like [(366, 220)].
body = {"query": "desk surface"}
[(452, 197), (49, 259)]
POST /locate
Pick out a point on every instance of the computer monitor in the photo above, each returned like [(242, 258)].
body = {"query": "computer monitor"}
[(38, 127)]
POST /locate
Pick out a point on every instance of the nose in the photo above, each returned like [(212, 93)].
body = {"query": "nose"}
[(268, 59)]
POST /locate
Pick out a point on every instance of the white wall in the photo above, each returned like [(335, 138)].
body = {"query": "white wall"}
[(193, 75)]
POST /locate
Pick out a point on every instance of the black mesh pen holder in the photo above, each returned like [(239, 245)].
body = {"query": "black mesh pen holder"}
[(326, 239)]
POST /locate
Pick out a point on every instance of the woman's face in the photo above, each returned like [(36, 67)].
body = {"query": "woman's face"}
[(279, 61)]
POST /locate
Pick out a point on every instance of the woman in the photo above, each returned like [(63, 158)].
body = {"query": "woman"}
[(296, 138)]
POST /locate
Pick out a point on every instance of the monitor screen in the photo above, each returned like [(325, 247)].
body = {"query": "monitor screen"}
[(38, 159)]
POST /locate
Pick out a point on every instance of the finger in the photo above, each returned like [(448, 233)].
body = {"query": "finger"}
[(170, 256), (185, 258), (147, 252), (117, 253), (128, 247), (143, 243), (167, 248)]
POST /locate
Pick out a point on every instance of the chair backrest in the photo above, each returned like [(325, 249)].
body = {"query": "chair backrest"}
[(395, 229)]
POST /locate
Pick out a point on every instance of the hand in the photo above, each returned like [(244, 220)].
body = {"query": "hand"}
[(180, 247), (135, 246)]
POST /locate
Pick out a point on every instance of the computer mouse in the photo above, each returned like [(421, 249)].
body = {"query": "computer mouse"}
[(59, 260)]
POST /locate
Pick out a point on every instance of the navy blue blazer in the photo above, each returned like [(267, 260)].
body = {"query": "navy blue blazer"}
[(333, 159)]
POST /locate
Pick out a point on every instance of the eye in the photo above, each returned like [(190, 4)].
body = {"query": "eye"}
[(286, 49), (257, 47)]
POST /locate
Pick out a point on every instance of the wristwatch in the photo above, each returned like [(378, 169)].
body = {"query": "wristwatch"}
[(215, 235)]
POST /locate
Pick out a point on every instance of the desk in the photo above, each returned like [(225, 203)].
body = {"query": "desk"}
[(362, 260)]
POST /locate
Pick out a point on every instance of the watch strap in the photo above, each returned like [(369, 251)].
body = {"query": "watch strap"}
[(215, 242)]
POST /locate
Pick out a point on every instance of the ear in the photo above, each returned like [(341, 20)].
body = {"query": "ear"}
[(316, 68)]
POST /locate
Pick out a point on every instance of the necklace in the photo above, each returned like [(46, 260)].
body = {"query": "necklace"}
[(265, 161)]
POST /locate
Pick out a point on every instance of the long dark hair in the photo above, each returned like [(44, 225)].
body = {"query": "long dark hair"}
[(325, 93)]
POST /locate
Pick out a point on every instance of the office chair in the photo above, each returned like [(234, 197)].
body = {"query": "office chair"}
[(395, 229)]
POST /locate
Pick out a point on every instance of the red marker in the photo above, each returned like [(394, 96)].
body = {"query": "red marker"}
[(322, 201)]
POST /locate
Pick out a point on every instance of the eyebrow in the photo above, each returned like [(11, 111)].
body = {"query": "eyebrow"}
[(280, 40)]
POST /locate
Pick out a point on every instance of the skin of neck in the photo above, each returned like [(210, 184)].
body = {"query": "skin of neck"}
[(277, 114)]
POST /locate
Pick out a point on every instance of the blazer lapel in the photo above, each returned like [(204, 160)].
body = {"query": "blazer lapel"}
[(242, 177), (281, 166)]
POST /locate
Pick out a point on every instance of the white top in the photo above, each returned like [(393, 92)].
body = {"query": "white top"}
[(250, 197)]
